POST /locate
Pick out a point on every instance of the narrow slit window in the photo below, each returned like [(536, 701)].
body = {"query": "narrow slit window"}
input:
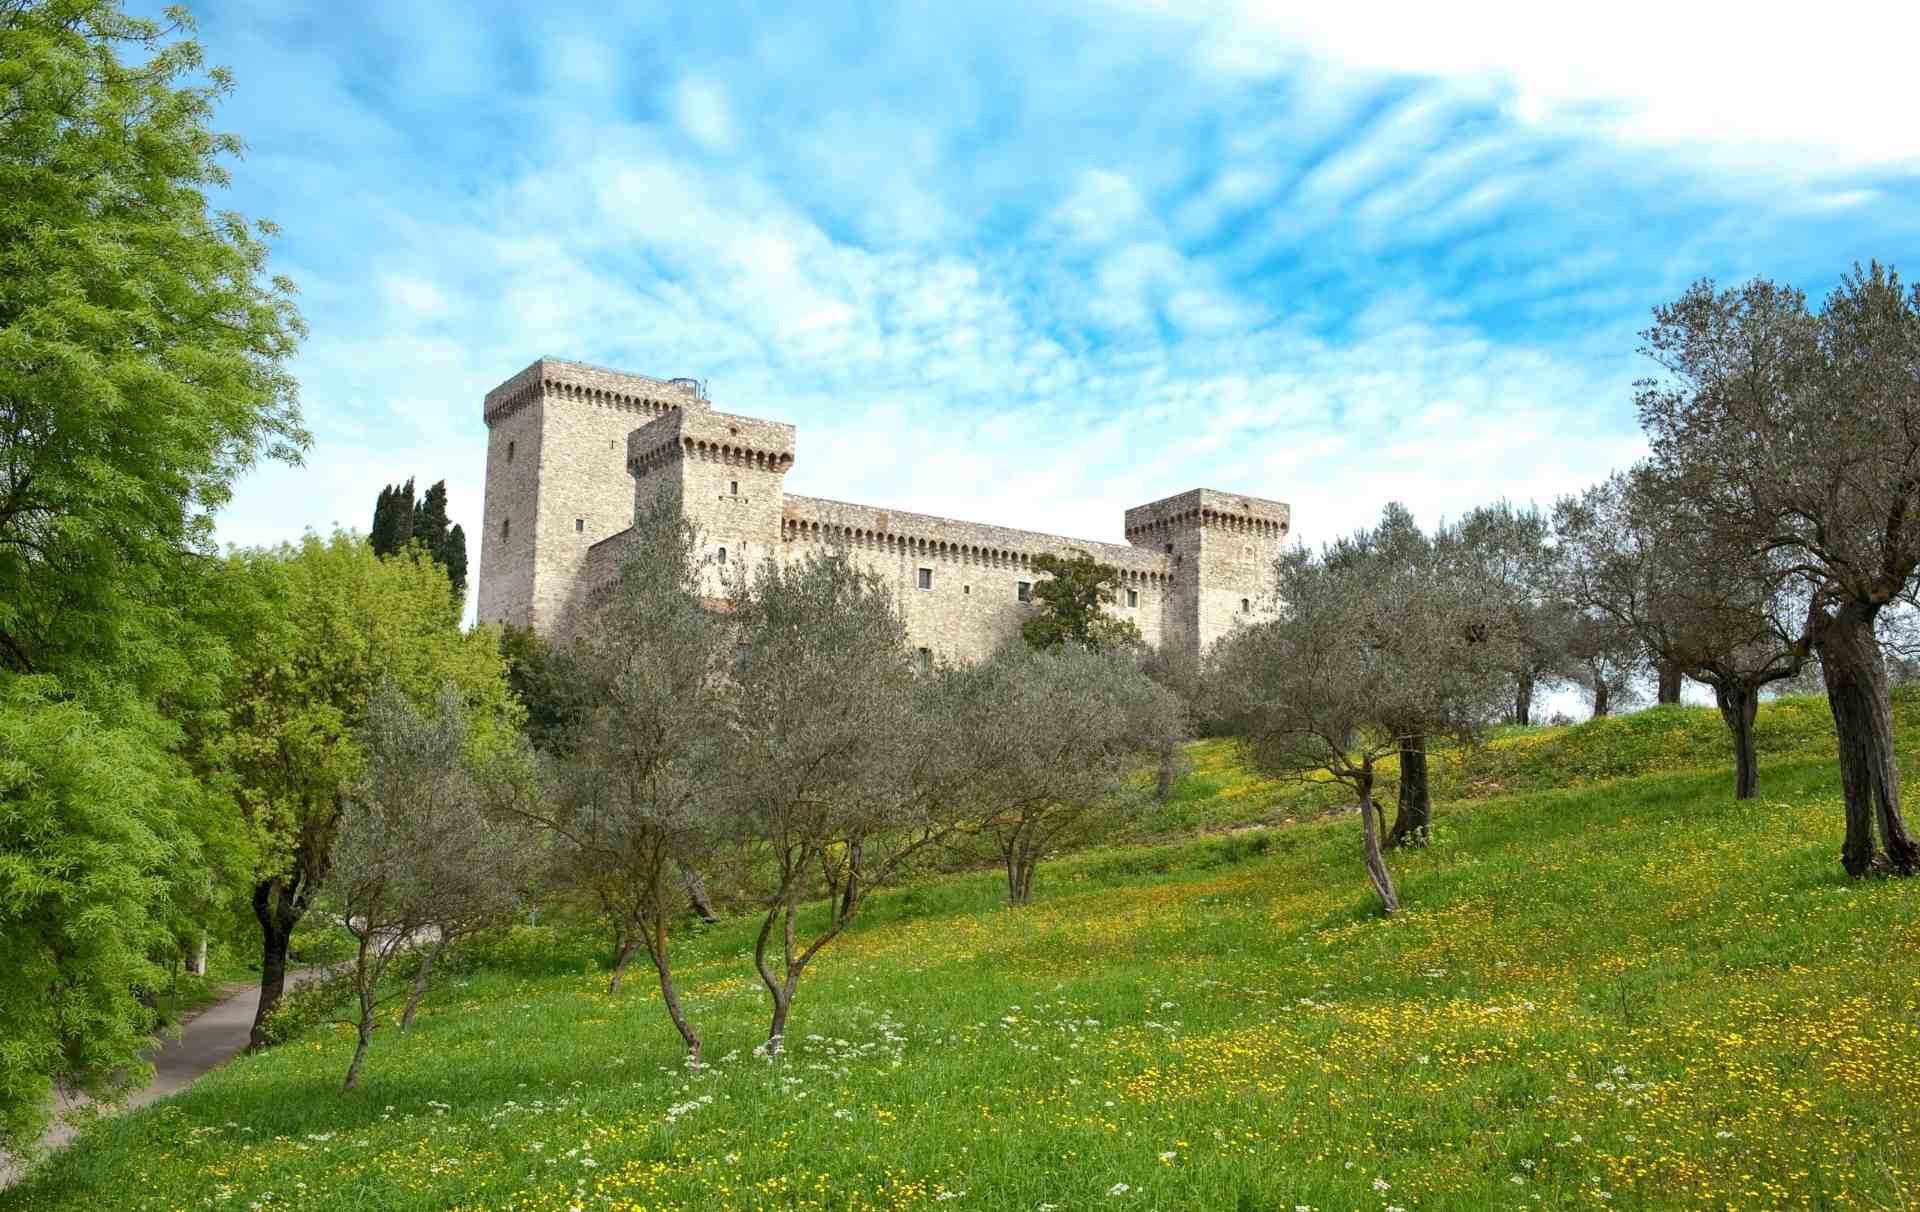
[(509, 451), (733, 488), (723, 555), (506, 527), (923, 659), (1246, 607), (926, 578), (1133, 597)]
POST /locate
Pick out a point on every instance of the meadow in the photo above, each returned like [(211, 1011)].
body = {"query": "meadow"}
[(1612, 986)]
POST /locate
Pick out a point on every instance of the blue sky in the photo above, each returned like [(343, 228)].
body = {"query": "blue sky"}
[(1033, 264)]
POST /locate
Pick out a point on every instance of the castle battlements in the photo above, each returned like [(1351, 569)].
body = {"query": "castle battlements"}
[(573, 449)]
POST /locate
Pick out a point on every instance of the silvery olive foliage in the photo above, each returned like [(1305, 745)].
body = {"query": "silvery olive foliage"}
[(422, 853), (1794, 436)]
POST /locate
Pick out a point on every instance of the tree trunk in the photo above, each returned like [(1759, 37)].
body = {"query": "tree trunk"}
[(363, 980), (1413, 820), (1669, 674), (277, 910), (1738, 704), (627, 947), (777, 1031), (780, 991), (1857, 693), (1523, 698), (1602, 698), (420, 981), (850, 896), (197, 961), (697, 893), (1020, 860), (657, 950), (1376, 865), (359, 1058), (1163, 786)]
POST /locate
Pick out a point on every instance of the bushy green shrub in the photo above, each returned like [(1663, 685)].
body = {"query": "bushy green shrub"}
[(311, 1003)]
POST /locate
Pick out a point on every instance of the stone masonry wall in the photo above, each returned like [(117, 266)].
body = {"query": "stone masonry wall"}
[(565, 486), (972, 603), (573, 450)]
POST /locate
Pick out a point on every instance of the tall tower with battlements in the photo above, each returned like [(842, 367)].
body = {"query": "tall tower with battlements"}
[(557, 481)]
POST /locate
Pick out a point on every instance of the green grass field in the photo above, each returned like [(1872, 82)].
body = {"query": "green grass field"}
[(1611, 987)]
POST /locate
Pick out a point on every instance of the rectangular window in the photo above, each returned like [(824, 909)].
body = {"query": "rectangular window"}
[(733, 487), (966, 589), (1133, 597), (723, 555), (923, 660), (926, 578), (1246, 607), (1024, 591), (579, 526)]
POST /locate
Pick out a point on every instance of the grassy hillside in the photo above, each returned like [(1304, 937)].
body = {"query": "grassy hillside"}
[(1612, 987)]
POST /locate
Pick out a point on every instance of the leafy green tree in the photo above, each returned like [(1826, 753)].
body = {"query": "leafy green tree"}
[(1072, 606), (143, 365), (143, 350), (338, 619)]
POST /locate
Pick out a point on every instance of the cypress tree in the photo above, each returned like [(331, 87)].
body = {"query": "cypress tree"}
[(381, 533), (456, 562), (404, 508), (430, 523)]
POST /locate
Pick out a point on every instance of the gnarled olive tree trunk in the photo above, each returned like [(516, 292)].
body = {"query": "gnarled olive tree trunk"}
[(1523, 697), (1857, 693), (1370, 831), (1413, 820), (1738, 705), (1669, 674)]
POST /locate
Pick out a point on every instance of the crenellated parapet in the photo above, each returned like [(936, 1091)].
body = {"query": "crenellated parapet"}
[(582, 383), (1149, 525), (573, 450), (865, 527)]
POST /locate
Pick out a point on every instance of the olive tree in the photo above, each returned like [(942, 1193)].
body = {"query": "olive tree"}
[(1510, 552), (630, 794), (1368, 646), (835, 747), (417, 858), (1055, 741), (1632, 551), (1796, 434)]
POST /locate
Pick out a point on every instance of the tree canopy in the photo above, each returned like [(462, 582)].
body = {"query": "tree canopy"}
[(1071, 605), (144, 354)]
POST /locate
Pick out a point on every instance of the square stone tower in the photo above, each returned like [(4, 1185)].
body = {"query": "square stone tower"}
[(1222, 546), (726, 473), (556, 479)]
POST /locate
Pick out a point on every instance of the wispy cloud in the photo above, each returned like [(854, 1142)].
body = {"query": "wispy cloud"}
[(1023, 266)]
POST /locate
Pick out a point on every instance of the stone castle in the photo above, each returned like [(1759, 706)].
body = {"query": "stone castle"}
[(573, 449)]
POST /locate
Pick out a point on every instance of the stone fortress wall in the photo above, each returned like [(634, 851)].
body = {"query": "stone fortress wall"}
[(573, 450)]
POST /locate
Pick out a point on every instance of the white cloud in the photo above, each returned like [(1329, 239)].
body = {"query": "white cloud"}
[(1814, 93), (702, 109)]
